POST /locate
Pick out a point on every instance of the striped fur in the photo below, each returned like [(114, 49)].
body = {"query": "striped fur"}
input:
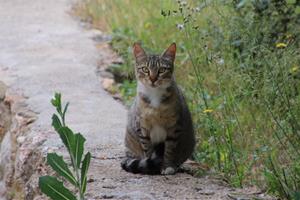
[(159, 135)]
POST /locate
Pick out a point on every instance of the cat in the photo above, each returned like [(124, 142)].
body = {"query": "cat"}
[(159, 134)]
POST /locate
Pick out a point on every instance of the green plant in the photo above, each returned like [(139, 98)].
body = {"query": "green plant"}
[(128, 91), (252, 93), (52, 186)]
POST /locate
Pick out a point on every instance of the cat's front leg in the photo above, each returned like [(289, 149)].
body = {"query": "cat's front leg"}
[(169, 166), (145, 142)]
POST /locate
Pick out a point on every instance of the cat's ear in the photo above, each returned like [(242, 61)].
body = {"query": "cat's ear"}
[(138, 52), (170, 53)]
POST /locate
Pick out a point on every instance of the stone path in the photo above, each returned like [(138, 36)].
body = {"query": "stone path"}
[(43, 50)]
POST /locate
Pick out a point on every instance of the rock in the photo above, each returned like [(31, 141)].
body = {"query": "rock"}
[(5, 113), (109, 186), (117, 96), (137, 195), (91, 180), (21, 139), (3, 89), (206, 192), (106, 74), (107, 196), (99, 36), (194, 168), (245, 196), (240, 196), (198, 189), (107, 83), (95, 33)]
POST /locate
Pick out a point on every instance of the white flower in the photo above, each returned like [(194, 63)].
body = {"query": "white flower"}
[(180, 26), (183, 3), (220, 61)]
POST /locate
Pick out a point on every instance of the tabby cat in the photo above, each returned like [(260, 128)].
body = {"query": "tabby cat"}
[(159, 135)]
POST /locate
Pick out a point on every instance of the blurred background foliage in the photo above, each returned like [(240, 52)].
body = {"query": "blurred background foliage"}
[(238, 62)]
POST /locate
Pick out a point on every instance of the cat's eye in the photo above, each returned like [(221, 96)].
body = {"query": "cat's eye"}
[(145, 70), (162, 70)]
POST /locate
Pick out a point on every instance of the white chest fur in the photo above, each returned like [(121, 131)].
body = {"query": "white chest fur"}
[(158, 134), (153, 94)]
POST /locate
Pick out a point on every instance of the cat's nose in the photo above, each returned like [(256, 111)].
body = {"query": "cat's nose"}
[(153, 78)]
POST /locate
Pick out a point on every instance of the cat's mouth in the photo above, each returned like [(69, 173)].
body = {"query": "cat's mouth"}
[(157, 84), (153, 85)]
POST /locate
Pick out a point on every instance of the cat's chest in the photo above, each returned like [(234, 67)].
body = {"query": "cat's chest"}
[(154, 109), (158, 122), (153, 97), (163, 116)]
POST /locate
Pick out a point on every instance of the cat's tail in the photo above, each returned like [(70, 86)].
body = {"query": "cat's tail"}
[(151, 165)]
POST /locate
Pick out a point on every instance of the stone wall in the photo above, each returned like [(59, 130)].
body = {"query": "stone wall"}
[(21, 160), (5, 123)]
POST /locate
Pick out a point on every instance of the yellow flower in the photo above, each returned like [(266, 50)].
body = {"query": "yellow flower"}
[(294, 69), (281, 45), (222, 156), (147, 25), (288, 36), (208, 110)]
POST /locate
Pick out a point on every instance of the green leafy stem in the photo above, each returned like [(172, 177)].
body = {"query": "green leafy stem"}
[(50, 185)]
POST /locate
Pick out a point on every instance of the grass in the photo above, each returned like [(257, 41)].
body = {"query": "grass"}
[(239, 70)]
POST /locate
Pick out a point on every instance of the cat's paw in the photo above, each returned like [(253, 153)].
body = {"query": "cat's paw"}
[(168, 171)]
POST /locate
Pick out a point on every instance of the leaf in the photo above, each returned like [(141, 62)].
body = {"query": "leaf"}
[(79, 147), (68, 138), (58, 164), (297, 195), (84, 170), (57, 97), (56, 122), (54, 189), (56, 101), (291, 1), (241, 4), (65, 109), (297, 10)]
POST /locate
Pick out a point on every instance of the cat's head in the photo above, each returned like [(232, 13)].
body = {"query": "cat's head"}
[(154, 70)]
